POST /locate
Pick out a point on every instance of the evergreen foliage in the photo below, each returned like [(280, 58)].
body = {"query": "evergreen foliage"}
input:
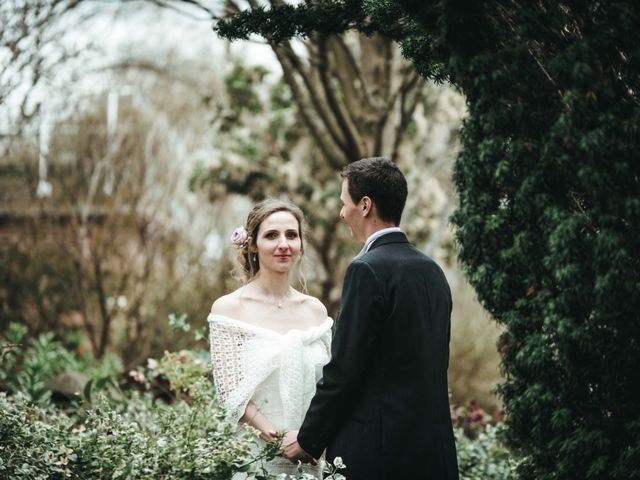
[(549, 214)]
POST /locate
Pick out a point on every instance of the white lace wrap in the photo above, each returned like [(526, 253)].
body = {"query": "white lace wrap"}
[(277, 371)]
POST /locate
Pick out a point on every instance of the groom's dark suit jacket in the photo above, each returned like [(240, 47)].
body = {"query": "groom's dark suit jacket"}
[(382, 404)]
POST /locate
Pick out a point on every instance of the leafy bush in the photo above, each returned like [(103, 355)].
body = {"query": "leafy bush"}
[(143, 440), (482, 454), (135, 436), (148, 439), (30, 447), (27, 364), (472, 419), (169, 427), (173, 374), (485, 457)]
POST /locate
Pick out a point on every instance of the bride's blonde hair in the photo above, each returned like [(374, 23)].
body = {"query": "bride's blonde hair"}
[(248, 259)]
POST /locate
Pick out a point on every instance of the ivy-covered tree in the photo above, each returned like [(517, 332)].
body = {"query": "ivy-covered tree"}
[(549, 188)]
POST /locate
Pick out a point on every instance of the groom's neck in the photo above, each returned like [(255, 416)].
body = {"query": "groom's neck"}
[(375, 226)]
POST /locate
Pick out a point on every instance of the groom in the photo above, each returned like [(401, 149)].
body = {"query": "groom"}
[(382, 404)]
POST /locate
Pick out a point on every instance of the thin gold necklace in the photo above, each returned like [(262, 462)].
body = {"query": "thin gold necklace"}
[(279, 301)]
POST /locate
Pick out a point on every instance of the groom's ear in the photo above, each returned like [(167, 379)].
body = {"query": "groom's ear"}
[(367, 205)]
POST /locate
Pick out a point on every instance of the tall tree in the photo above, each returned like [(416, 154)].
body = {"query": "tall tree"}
[(356, 97), (549, 186)]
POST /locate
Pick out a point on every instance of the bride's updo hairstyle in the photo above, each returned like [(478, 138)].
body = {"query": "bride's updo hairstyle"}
[(249, 260)]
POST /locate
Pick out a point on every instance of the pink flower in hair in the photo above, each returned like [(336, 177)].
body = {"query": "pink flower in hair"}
[(239, 236)]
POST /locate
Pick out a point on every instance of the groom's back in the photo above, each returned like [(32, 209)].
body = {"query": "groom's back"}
[(417, 307), (407, 378)]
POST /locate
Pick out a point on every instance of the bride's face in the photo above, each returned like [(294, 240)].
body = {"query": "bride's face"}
[(278, 242)]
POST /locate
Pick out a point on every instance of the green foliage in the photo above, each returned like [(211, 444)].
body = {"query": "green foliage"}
[(183, 369), (179, 322), (240, 84), (43, 359), (28, 363), (549, 189), (136, 436), (482, 454), (145, 440), (142, 438), (545, 178), (131, 436), (286, 21), (31, 448), (485, 457)]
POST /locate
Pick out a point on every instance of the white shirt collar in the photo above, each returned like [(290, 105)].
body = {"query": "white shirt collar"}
[(376, 235)]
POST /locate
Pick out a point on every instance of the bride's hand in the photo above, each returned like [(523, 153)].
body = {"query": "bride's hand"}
[(292, 450), (270, 435)]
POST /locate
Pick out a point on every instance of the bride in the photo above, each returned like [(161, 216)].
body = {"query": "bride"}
[(269, 341)]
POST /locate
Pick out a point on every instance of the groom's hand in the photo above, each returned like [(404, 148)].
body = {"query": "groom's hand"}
[(292, 450)]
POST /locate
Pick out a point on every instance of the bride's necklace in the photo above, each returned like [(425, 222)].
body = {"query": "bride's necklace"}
[(279, 301)]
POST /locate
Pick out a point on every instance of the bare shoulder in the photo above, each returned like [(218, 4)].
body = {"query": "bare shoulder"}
[(227, 304), (317, 308)]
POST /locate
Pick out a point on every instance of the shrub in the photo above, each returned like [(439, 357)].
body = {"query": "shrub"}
[(144, 440), (471, 419), (30, 447), (170, 427), (27, 364), (135, 436), (485, 457), (482, 454)]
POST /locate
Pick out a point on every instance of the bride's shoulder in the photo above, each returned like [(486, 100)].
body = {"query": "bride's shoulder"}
[(316, 307), (226, 305)]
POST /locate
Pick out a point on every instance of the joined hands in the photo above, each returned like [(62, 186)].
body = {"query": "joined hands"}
[(292, 450)]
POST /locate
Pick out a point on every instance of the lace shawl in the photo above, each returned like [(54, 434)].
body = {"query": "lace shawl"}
[(244, 355)]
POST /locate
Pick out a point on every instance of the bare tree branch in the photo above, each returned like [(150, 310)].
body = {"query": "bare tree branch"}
[(355, 86), (317, 129), (170, 5), (407, 108), (355, 146), (315, 95)]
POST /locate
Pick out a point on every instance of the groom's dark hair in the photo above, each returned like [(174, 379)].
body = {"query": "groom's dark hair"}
[(381, 180)]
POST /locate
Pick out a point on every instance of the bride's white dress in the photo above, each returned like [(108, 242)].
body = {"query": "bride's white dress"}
[(277, 371)]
